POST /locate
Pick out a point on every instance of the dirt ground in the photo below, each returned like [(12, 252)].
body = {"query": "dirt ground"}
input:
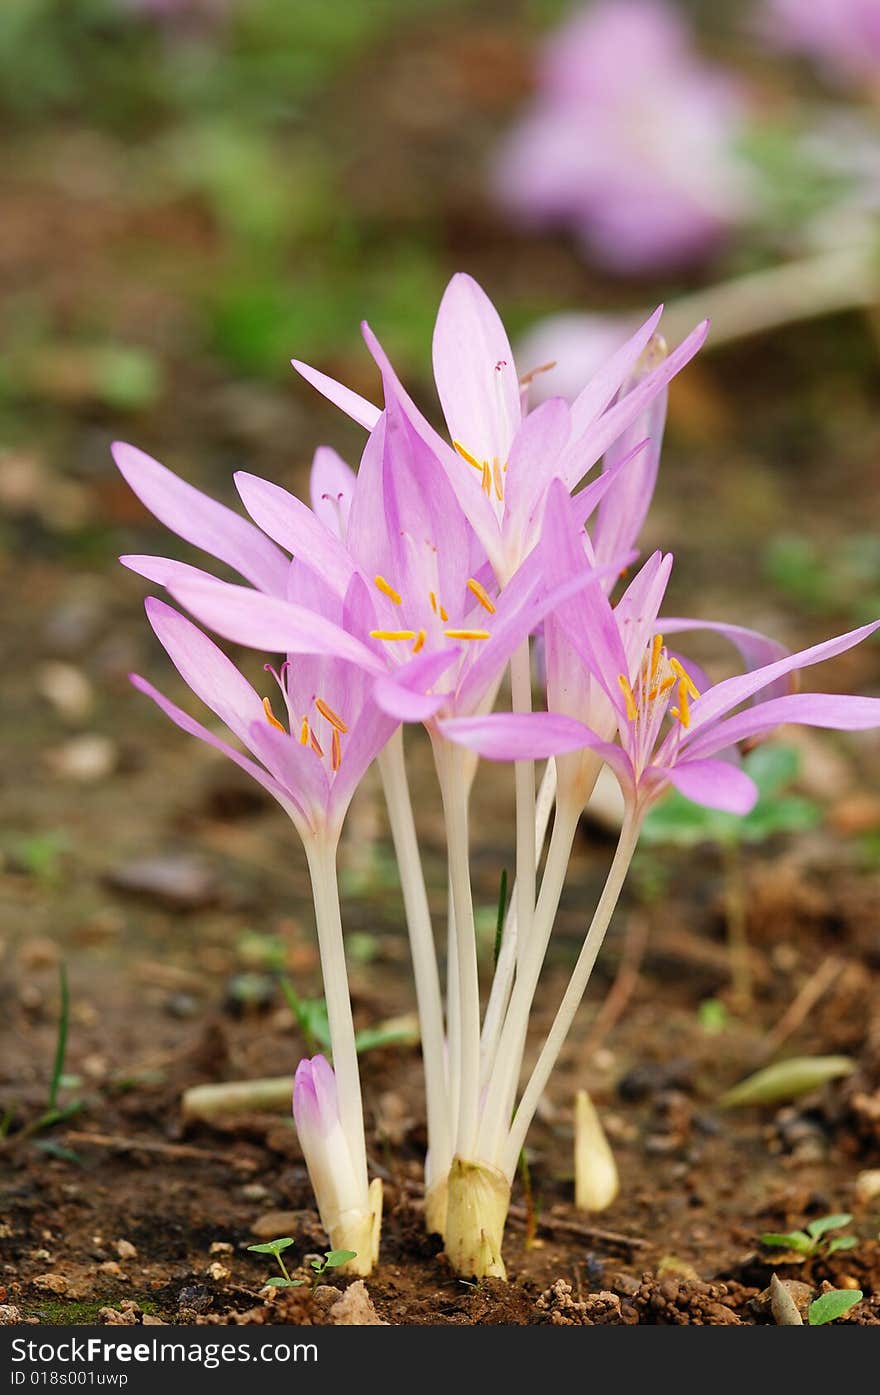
[(177, 898)]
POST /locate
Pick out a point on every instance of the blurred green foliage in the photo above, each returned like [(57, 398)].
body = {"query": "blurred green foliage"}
[(841, 580), (679, 823)]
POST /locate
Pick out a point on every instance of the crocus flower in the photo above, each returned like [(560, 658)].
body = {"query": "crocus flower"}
[(630, 140), (669, 731), (843, 36), (499, 458), (350, 1212)]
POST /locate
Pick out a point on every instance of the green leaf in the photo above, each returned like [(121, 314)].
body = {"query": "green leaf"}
[(272, 1247), (842, 1242), (337, 1257), (395, 1034), (60, 1041), (833, 1305), (787, 1080), (283, 1283), (796, 1240), (826, 1223)]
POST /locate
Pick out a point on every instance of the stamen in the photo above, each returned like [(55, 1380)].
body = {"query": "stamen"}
[(466, 455), (332, 717), (533, 373), (656, 651), (335, 750), (392, 635), (683, 711), (482, 595), (632, 710), (467, 634), (486, 481), (270, 716), (304, 732), (444, 616), (388, 590), (316, 745), (433, 599), (496, 478), (420, 642), (681, 672)]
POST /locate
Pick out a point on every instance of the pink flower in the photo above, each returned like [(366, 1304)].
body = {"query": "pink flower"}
[(630, 140), (843, 36), (614, 676), (349, 1209)]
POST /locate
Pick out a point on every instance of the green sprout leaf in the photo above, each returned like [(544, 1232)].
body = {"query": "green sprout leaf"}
[(336, 1257), (842, 1242), (278, 1282), (786, 1080), (272, 1247), (825, 1223), (833, 1305), (499, 920), (796, 1240)]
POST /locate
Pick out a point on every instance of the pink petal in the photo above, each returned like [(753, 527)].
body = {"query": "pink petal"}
[(163, 571), (730, 693), (193, 728), (268, 623), (354, 406), (475, 372), (608, 380), (595, 440), (201, 521), (404, 694), (292, 524), (715, 784), (756, 649), (838, 712), (332, 484), (205, 669)]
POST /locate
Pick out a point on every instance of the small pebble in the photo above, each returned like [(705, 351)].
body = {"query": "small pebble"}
[(125, 1249)]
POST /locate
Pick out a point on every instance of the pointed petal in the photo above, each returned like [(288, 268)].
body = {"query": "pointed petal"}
[(475, 372), (716, 784), (756, 649), (462, 477), (354, 406), (332, 484), (732, 691), (586, 449), (205, 668), (604, 384), (531, 464), (163, 571), (405, 695), (592, 495), (201, 521), (266, 622), (292, 524), (193, 728), (533, 736), (838, 712), (623, 511)]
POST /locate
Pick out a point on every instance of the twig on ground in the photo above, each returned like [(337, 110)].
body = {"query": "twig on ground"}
[(816, 986), (622, 988), (183, 1152)]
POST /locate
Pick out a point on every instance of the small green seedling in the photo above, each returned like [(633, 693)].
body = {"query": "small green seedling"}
[(274, 1247), (311, 1018), (833, 1305), (332, 1260), (814, 1239)]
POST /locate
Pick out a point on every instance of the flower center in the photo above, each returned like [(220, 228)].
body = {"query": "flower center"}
[(307, 734), (418, 636), (660, 679)]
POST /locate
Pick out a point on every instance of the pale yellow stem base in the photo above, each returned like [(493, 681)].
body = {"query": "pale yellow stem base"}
[(359, 1231), (478, 1199)]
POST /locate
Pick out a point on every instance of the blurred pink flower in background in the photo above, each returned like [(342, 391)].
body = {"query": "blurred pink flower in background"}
[(630, 140), (842, 35)]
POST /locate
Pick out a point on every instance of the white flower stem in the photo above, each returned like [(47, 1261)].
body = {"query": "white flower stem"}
[(524, 779), (847, 278), (422, 947), (626, 846), (321, 856), (502, 981), (505, 1076), (454, 788)]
